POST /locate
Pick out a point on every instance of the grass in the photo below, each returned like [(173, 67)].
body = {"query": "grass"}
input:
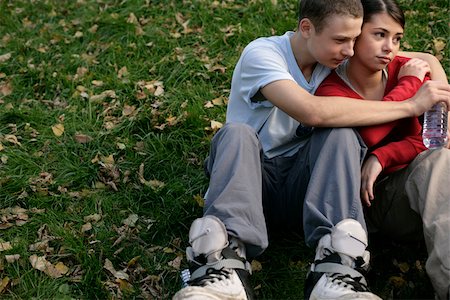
[(122, 179)]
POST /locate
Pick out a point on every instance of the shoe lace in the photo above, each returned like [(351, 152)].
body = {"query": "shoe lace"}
[(212, 276), (346, 280)]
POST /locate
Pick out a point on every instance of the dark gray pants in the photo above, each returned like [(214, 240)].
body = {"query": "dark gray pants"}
[(313, 190)]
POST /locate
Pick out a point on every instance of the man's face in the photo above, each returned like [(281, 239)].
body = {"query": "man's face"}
[(335, 42)]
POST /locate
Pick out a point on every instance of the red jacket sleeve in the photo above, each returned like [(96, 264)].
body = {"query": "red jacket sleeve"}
[(397, 155), (406, 87)]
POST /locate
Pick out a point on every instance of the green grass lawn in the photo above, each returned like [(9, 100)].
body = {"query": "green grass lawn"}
[(107, 109)]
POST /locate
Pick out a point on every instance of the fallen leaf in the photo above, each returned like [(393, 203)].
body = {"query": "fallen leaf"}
[(131, 220), (12, 139), (216, 125), (82, 138), (439, 44), (58, 129), (5, 57), (93, 218), (397, 281), (176, 263), (5, 88), (256, 266), (154, 184), (86, 227), (62, 268), (5, 246), (199, 199), (4, 284), (12, 258), (41, 264), (117, 274)]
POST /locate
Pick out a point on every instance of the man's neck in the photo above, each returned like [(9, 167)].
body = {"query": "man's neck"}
[(305, 61)]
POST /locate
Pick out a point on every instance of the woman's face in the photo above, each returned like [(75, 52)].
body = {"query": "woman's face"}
[(379, 42)]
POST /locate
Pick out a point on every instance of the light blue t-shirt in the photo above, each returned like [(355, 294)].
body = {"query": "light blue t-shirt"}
[(263, 61)]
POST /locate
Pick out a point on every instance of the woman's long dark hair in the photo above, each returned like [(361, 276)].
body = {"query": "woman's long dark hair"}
[(391, 7)]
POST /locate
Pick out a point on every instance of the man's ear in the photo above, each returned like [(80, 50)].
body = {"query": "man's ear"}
[(305, 26)]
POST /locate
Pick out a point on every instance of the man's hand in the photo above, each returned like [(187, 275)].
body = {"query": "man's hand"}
[(369, 173), (430, 93), (414, 67)]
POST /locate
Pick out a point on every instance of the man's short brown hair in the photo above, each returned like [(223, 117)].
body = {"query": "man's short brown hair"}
[(318, 11)]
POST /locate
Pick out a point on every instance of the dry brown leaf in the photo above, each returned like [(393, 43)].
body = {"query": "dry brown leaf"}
[(176, 263), (218, 101), (131, 220), (82, 138), (129, 110), (41, 246), (154, 184), (117, 274), (216, 125), (93, 218), (41, 264), (12, 258), (123, 72), (11, 138), (58, 129), (5, 57), (86, 227), (5, 88), (397, 281), (5, 246), (209, 104)]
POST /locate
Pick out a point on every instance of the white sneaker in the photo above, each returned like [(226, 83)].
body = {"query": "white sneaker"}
[(217, 272), (340, 257)]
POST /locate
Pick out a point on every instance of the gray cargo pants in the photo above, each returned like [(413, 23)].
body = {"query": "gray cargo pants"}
[(416, 200), (312, 190)]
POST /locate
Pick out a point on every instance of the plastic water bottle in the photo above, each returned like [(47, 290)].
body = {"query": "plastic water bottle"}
[(434, 132)]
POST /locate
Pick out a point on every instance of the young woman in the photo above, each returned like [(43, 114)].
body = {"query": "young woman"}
[(397, 176)]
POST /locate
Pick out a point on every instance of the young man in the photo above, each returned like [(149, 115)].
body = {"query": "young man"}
[(277, 165)]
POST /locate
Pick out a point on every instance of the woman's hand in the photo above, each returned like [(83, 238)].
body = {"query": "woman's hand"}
[(369, 173), (414, 67)]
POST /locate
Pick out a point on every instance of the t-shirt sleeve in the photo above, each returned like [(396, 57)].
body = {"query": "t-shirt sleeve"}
[(260, 66)]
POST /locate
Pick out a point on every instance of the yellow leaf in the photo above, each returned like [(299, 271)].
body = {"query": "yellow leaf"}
[(216, 125), (1, 147), (256, 265), (4, 283), (200, 201), (58, 129), (439, 44), (397, 281), (62, 268)]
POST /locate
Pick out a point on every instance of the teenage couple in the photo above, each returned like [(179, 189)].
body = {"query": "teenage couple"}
[(289, 160)]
